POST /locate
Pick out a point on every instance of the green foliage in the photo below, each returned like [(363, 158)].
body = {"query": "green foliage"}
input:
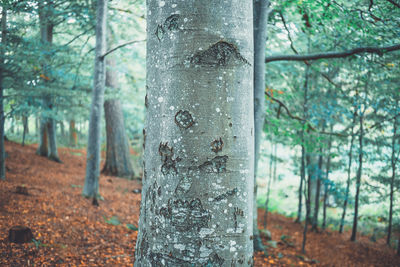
[(113, 220)]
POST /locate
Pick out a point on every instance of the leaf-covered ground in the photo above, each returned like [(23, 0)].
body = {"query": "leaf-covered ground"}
[(70, 231)]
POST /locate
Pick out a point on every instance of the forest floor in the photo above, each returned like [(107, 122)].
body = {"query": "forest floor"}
[(70, 231)]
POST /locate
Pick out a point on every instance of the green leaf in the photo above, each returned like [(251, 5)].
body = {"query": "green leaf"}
[(131, 227), (113, 220)]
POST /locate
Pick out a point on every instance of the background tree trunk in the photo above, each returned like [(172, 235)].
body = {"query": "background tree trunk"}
[(317, 192), (118, 158), (303, 149), (91, 187), (260, 21), (393, 165), (358, 179), (47, 123), (25, 128), (73, 135), (346, 198), (197, 198), (3, 41), (43, 149)]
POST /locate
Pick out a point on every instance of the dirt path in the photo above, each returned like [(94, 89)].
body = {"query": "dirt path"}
[(70, 231)]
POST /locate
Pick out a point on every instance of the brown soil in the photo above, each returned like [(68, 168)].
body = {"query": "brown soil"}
[(70, 231)]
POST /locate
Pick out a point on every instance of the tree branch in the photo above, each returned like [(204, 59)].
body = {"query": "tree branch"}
[(306, 122), (342, 54), (120, 46), (394, 3)]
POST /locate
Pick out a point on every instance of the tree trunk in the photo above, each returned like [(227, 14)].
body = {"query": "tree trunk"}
[(358, 181), (393, 163), (346, 199), (91, 187), (43, 149), (51, 130), (260, 21), (62, 129), (275, 161), (197, 197), (25, 127), (326, 182), (268, 188), (46, 35), (73, 135), (317, 193), (2, 51), (118, 158), (303, 150), (308, 204), (302, 179)]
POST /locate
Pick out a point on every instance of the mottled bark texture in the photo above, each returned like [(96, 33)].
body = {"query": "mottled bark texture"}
[(91, 187), (197, 196), (2, 51), (47, 137), (118, 160), (260, 19)]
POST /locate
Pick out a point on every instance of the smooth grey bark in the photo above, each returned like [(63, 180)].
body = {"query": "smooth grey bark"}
[(197, 197), (393, 161), (47, 137), (2, 51), (91, 187), (260, 21), (346, 198), (118, 158)]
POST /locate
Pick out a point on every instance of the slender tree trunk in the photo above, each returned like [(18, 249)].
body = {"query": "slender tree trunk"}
[(358, 180), (393, 163), (317, 193), (275, 160), (25, 127), (118, 158), (62, 128), (73, 135), (197, 198), (91, 187), (302, 179), (303, 150), (346, 199), (308, 204), (267, 203), (2, 51), (260, 21), (326, 182)]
